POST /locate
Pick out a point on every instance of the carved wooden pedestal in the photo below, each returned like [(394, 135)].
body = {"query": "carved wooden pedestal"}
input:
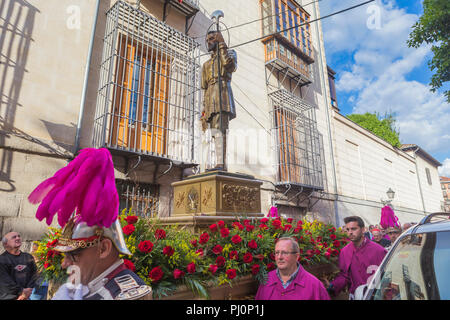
[(215, 195)]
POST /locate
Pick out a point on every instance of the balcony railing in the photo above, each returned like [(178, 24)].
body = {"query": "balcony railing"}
[(148, 93)]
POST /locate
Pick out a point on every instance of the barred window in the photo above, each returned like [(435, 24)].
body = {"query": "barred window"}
[(141, 198)]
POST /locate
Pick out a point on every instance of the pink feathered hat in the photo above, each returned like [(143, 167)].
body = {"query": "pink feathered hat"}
[(83, 193)]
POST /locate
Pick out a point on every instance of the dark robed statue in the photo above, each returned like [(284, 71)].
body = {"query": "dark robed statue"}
[(218, 101)]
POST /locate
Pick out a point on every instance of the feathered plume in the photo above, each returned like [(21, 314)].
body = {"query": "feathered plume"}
[(388, 218), (86, 184)]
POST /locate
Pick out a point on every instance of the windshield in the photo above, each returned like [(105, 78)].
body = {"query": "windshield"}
[(417, 269)]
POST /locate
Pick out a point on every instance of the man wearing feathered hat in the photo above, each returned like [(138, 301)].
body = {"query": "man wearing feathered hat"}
[(92, 239)]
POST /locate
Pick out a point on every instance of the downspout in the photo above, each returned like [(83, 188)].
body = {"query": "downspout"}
[(418, 179), (330, 138), (86, 79)]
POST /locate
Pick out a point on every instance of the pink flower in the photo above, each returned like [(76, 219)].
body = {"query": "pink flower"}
[(200, 252)]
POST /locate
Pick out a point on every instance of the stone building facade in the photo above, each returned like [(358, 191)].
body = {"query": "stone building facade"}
[(125, 75)]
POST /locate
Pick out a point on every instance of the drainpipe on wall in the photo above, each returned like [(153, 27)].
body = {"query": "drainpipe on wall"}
[(86, 78), (330, 138), (418, 179)]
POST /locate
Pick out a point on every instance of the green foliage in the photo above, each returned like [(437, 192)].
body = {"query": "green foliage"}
[(381, 127), (433, 27)]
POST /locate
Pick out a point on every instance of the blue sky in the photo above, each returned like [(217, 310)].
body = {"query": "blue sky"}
[(377, 71)]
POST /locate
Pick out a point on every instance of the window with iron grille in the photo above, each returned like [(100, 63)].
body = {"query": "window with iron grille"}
[(141, 198), (296, 141), (148, 94)]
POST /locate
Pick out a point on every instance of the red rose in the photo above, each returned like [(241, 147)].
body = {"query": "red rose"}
[(212, 268), (263, 226), (276, 224), (234, 255), (237, 225), (264, 220), (231, 273), (236, 239), (160, 234), (156, 274), (249, 228), (194, 243), (289, 220), (247, 257), (129, 265), (168, 251), (128, 229), (335, 252), (271, 266), (46, 265), (178, 274), (225, 232), (287, 227), (332, 236), (213, 227), (131, 219), (204, 237), (272, 256), (246, 222), (200, 252), (255, 269), (260, 236), (220, 261), (221, 224), (145, 246), (191, 267), (327, 255), (217, 249), (336, 243), (253, 244)]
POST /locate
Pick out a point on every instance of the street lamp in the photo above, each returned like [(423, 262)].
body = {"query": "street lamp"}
[(390, 194)]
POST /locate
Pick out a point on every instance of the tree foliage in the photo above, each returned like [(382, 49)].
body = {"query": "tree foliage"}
[(433, 27), (383, 127)]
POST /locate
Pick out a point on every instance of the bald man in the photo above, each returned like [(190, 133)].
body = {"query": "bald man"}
[(18, 271)]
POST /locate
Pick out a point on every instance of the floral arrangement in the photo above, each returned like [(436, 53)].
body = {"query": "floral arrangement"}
[(167, 257), (48, 260)]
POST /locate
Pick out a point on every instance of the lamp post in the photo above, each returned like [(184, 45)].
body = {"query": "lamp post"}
[(390, 194)]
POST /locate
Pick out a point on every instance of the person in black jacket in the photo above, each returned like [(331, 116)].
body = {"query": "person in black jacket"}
[(18, 271)]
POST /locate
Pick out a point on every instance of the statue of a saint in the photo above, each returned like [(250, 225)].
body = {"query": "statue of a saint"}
[(218, 101)]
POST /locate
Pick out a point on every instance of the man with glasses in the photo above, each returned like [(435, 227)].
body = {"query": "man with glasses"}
[(290, 281), (18, 271)]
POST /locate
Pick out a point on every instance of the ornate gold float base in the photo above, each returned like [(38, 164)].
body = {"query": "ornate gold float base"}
[(217, 193)]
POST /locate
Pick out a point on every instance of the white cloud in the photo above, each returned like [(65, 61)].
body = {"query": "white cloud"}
[(444, 170), (378, 77)]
